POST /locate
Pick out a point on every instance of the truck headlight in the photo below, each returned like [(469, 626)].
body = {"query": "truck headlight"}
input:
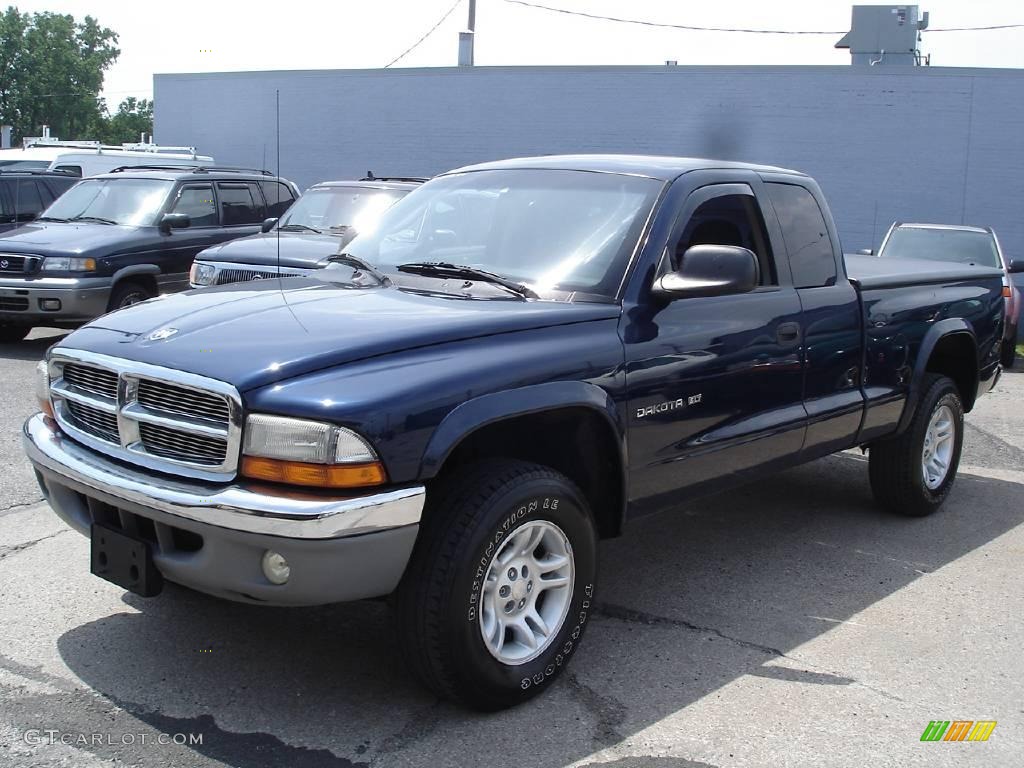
[(301, 452), (43, 388), (68, 264), (202, 274)]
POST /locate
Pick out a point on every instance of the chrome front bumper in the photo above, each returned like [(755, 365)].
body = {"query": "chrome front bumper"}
[(212, 537), (235, 507)]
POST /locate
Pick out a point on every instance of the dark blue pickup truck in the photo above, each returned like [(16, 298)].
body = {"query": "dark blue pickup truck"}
[(521, 357)]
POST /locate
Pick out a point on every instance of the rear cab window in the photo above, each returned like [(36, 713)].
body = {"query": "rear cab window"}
[(805, 233)]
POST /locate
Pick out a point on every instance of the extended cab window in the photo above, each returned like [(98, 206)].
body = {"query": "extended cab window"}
[(803, 228), (197, 201), (240, 203), (279, 197), (729, 220)]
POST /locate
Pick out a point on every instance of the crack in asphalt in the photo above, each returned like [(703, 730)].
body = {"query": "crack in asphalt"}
[(820, 676), (631, 615), (18, 507), (608, 712), (16, 548)]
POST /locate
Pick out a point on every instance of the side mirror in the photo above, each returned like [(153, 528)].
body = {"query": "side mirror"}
[(866, 252), (1016, 266), (171, 221), (267, 225), (710, 270)]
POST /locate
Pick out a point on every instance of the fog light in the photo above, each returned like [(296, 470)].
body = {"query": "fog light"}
[(50, 305), (275, 567)]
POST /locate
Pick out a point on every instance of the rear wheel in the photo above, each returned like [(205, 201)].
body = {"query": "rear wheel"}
[(126, 293), (501, 584), (12, 334), (913, 473)]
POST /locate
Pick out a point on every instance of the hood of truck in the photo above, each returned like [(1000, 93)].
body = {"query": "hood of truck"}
[(74, 239), (296, 249), (254, 334)]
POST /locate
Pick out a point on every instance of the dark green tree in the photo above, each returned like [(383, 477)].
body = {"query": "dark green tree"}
[(133, 118), (51, 72)]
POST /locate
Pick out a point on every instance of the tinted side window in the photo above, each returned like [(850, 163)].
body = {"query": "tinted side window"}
[(197, 201), (59, 186), (279, 197), (6, 202), (27, 202), (240, 203), (806, 235), (729, 220), (75, 169)]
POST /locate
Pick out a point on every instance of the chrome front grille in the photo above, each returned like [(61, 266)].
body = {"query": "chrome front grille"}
[(161, 396), (18, 263), (96, 380), (225, 276), (158, 417), (93, 420)]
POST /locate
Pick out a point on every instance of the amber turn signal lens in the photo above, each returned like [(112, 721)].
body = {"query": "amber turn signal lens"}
[(1007, 293), (319, 475)]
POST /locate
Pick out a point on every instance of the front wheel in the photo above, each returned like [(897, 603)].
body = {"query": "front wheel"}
[(501, 584), (913, 473), (127, 293)]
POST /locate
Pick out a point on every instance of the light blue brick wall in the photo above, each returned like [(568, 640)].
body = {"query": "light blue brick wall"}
[(925, 144)]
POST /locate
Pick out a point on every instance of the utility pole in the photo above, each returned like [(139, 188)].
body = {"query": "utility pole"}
[(466, 38)]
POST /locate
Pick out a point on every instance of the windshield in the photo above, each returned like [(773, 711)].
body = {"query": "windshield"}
[(957, 245), (135, 202), (336, 209), (24, 165), (552, 230)]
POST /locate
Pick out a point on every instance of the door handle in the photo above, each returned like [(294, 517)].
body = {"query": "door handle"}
[(788, 333)]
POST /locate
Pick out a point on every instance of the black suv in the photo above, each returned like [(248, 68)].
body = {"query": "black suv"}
[(125, 236), (25, 193), (321, 224)]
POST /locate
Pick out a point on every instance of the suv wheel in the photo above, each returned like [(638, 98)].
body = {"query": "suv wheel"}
[(913, 473), (12, 334), (500, 585), (127, 293)]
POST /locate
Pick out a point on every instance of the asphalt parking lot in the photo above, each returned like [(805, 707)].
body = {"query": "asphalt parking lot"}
[(786, 624)]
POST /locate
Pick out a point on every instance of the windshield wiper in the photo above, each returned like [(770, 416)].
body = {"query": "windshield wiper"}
[(299, 228), (359, 266), (98, 219), (50, 218), (444, 269)]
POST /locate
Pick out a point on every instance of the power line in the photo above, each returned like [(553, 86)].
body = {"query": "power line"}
[(746, 30), (430, 31)]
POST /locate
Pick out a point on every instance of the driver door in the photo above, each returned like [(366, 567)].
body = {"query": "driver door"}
[(715, 383)]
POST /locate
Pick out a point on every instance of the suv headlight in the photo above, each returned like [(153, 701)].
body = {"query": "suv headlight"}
[(202, 274), (301, 452), (68, 264)]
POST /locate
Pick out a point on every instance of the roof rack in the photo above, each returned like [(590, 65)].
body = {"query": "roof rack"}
[(41, 171), (123, 168), (232, 169), (185, 168), (412, 179)]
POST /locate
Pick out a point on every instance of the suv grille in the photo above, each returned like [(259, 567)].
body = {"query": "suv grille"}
[(160, 418), (13, 262), (242, 275)]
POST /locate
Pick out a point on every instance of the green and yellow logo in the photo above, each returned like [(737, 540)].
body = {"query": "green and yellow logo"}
[(958, 730)]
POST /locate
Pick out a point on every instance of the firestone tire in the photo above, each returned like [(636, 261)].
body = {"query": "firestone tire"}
[(901, 478), (476, 536)]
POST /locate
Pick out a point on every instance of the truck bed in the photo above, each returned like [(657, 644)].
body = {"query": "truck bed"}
[(872, 272)]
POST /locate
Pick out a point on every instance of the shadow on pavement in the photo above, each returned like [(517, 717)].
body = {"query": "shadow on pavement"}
[(31, 349), (689, 602)]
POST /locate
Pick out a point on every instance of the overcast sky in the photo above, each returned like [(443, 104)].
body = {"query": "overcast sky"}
[(212, 36)]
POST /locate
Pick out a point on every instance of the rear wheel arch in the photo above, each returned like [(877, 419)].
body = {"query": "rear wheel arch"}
[(949, 349), (580, 437)]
